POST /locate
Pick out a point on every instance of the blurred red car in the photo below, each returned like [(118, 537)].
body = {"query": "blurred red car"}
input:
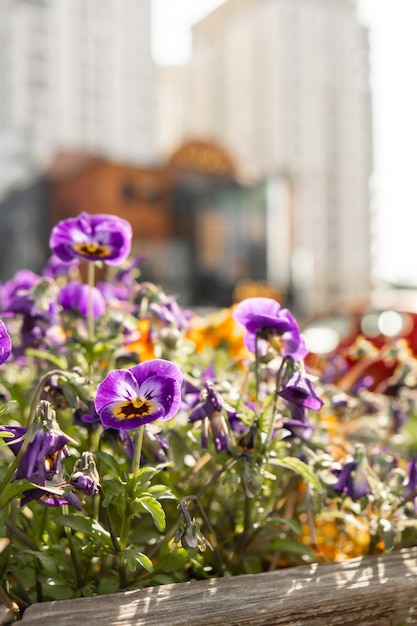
[(385, 317)]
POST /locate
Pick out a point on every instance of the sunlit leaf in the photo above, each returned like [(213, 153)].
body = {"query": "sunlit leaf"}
[(153, 507), (301, 468)]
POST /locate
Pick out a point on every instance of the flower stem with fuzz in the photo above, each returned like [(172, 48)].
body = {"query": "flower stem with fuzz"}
[(90, 316), (138, 451)]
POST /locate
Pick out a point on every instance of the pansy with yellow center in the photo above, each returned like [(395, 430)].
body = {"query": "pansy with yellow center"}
[(128, 399), (99, 237)]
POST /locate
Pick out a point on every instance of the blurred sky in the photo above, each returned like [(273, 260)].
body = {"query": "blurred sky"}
[(392, 26)]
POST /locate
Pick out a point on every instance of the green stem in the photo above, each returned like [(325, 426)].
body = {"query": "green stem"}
[(125, 526), (125, 529), (274, 406), (138, 451), (19, 534), (68, 533), (256, 372), (117, 549), (90, 318)]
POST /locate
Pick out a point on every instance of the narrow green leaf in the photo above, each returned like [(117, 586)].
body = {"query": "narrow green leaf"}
[(4, 435), (6, 406), (284, 521), (59, 361), (301, 468)]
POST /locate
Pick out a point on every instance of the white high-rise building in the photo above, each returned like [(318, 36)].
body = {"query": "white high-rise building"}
[(78, 75), (283, 85)]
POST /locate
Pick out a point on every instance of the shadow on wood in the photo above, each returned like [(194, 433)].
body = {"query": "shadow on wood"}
[(374, 591)]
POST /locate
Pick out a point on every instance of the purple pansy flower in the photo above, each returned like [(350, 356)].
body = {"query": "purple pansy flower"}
[(42, 459), (75, 297), (263, 318), (150, 391), (352, 480), (209, 410), (85, 476), (303, 429), (170, 312), (300, 392), (21, 283), (99, 237), (5, 343), (299, 395), (55, 267), (43, 456)]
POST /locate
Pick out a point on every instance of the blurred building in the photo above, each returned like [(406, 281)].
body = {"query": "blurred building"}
[(284, 86), (77, 75), (201, 232)]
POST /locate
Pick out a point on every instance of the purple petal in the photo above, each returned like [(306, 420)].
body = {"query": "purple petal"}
[(157, 367), (75, 296), (5, 343), (118, 385), (246, 309)]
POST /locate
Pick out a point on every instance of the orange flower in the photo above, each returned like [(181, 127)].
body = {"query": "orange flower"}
[(337, 539), (143, 345), (218, 329)]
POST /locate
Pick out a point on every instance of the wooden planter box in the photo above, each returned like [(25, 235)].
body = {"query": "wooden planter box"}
[(377, 591)]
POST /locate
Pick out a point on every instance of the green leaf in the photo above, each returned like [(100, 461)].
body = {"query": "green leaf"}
[(86, 525), (132, 558), (47, 562), (59, 361), (109, 460), (301, 468), (288, 545), (153, 507), (265, 417), (14, 489), (161, 491), (53, 591), (144, 475), (291, 523), (69, 393), (6, 406), (4, 435)]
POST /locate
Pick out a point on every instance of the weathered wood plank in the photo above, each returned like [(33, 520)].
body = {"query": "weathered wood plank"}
[(371, 591)]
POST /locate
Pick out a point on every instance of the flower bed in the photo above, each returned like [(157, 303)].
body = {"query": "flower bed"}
[(145, 445)]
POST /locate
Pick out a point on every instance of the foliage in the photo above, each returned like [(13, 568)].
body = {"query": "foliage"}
[(271, 460)]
